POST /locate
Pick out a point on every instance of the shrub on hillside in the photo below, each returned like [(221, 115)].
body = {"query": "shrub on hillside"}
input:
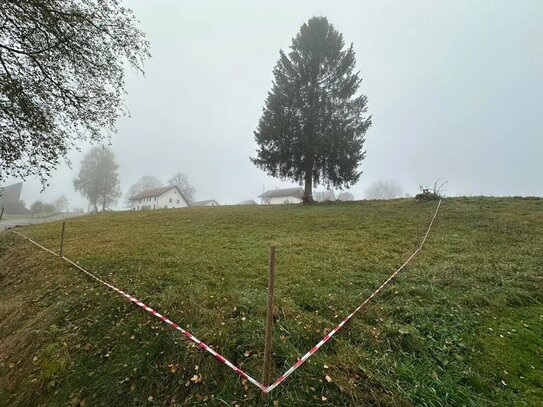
[(430, 194), (427, 195)]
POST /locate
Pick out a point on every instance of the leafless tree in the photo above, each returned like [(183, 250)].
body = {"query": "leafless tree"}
[(182, 181), (144, 183)]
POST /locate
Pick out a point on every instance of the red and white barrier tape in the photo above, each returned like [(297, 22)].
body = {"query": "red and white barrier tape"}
[(337, 328), (187, 334), (222, 359)]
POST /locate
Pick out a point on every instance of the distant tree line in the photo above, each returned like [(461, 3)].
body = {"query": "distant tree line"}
[(59, 205)]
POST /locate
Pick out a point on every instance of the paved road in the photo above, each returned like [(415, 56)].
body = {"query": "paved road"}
[(8, 223)]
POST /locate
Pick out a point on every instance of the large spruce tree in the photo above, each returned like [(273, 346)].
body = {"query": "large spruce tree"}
[(313, 123)]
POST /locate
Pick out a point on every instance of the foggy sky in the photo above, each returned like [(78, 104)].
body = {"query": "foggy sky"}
[(455, 90)]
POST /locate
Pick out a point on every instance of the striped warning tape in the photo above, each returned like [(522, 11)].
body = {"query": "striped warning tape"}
[(187, 334), (337, 328), (222, 359)]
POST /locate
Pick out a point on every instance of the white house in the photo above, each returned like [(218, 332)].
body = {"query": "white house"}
[(209, 202), (159, 198), (282, 196), (324, 196)]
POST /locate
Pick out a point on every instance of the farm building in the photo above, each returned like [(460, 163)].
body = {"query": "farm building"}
[(159, 198), (282, 196), (10, 199), (209, 202), (324, 196)]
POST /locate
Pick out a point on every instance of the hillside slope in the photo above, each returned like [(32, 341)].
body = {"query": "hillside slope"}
[(461, 325)]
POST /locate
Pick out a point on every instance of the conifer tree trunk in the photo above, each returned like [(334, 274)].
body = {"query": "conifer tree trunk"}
[(308, 189), (308, 179)]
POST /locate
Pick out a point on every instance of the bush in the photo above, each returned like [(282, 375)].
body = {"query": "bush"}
[(427, 195)]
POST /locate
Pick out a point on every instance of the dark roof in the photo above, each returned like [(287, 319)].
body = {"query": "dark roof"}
[(294, 192), (203, 203), (150, 193), (11, 192)]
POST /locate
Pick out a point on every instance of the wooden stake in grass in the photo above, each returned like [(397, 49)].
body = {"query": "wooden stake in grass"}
[(269, 321), (62, 238), (2, 213)]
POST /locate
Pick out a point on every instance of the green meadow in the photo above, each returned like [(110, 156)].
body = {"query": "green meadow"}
[(461, 325)]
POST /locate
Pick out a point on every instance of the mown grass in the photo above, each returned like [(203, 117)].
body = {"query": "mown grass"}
[(461, 325)]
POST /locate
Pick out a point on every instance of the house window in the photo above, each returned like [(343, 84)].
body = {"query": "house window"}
[(178, 201), (170, 200)]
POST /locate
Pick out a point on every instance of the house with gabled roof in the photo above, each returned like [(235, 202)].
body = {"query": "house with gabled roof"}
[(282, 196), (159, 198)]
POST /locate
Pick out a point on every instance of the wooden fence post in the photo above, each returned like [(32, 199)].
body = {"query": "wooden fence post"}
[(269, 321), (62, 239)]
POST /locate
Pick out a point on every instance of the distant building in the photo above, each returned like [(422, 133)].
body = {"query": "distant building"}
[(159, 198), (11, 192), (282, 196), (10, 199), (209, 202), (248, 202), (324, 196)]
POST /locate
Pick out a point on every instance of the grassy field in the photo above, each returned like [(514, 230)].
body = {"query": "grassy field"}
[(461, 325)]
